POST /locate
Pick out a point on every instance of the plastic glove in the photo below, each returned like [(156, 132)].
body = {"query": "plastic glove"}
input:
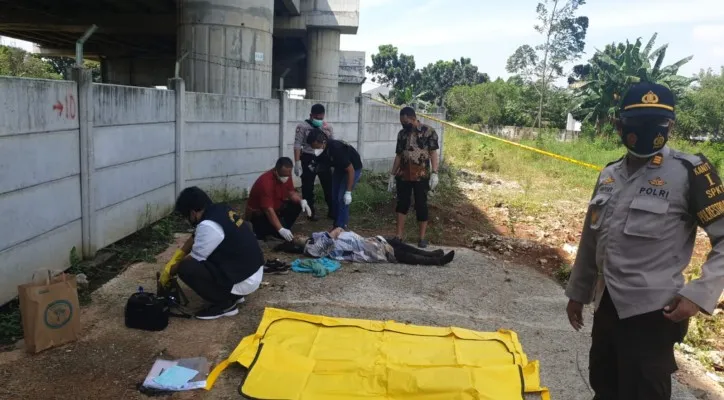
[(298, 168), (166, 273), (347, 198), (391, 184), (286, 234), (434, 180), (306, 208)]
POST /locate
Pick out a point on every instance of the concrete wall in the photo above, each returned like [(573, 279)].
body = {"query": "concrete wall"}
[(40, 215), (229, 140), (526, 133), (84, 165), (133, 142)]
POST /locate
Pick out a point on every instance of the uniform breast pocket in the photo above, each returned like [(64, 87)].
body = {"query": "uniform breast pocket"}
[(646, 217), (598, 207)]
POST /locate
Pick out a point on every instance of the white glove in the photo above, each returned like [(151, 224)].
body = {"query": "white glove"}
[(391, 184), (286, 234), (347, 198), (298, 168), (434, 180), (306, 208)]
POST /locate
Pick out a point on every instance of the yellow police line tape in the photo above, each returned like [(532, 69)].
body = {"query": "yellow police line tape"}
[(522, 146)]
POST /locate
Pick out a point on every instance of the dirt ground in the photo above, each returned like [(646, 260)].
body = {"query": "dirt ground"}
[(475, 291), (492, 284)]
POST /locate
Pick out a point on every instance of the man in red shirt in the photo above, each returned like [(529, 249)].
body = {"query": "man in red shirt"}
[(274, 204)]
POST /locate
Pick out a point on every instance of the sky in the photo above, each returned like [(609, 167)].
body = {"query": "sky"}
[(488, 32)]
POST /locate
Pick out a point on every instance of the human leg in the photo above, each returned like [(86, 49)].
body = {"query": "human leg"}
[(646, 358), (404, 194), (262, 227), (325, 179), (199, 278), (421, 189), (339, 185), (603, 365), (289, 214), (308, 178)]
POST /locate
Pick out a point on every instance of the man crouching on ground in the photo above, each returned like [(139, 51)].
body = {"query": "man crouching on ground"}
[(222, 261)]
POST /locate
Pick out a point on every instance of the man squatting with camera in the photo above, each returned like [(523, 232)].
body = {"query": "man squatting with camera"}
[(222, 261)]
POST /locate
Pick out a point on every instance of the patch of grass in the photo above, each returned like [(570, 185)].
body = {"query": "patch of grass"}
[(563, 273), (545, 180), (142, 246), (11, 328)]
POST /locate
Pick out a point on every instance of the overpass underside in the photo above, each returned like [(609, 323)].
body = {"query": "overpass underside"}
[(235, 47)]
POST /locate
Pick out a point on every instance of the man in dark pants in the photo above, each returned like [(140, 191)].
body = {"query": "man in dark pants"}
[(347, 166), (222, 261), (417, 151), (310, 163), (274, 205), (637, 239)]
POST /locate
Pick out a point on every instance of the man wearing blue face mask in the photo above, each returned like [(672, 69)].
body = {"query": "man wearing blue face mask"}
[(637, 239), (309, 165)]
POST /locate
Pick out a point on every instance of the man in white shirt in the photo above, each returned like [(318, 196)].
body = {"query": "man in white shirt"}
[(222, 262)]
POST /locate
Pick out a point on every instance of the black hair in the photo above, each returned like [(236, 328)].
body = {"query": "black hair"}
[(192, 199), (408, 112), (283, 162), (316, 135), (317, 109)]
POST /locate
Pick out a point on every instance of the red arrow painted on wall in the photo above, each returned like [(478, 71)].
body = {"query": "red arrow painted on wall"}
[(58, 106)]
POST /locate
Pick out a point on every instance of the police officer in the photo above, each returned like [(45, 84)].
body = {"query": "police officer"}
[(638, 237)]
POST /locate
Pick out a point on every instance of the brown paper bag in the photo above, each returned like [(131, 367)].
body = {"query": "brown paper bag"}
[(49, 311)]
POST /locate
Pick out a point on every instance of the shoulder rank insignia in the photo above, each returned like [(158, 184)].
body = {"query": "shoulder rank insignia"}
[(608, 181), (706, 192), (657, 182)]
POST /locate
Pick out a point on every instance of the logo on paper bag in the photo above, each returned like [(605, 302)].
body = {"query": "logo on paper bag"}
[(58, 314)]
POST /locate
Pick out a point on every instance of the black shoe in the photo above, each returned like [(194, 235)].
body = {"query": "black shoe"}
[(422, 244), (447, 259), (276, 267), (215, 311)]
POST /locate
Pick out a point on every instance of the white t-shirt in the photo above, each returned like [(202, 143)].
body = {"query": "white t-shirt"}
[(209, 236)]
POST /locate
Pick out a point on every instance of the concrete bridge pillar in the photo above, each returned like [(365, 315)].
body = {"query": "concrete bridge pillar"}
[(229, 45), (322, 64)]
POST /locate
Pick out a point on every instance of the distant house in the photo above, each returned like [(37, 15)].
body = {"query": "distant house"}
[(380, 92)]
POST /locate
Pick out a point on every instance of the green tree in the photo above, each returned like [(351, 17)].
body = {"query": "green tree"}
[(394, 70), (435, 80), (18, 62), (62, 64), (600, 84), (564, 34), (701, 110), (493, 103)]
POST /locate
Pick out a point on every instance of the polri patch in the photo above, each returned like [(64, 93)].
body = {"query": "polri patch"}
[(707, 193)]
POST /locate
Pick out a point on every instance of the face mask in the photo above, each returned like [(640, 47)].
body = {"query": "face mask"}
[(644, 138), (317, 123), (407, 126), (317, 152), (283, 179)]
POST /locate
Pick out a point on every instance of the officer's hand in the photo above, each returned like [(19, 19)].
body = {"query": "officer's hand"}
[(680, 308), (575, 314)]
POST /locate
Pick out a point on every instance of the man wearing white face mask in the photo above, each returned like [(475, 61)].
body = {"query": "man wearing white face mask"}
[(274, 205), (308, 164)]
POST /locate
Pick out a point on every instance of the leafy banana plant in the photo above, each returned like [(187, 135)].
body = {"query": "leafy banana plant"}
[(600, 84)]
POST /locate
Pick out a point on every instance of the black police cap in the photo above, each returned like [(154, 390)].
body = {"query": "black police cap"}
[(648, 99)]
